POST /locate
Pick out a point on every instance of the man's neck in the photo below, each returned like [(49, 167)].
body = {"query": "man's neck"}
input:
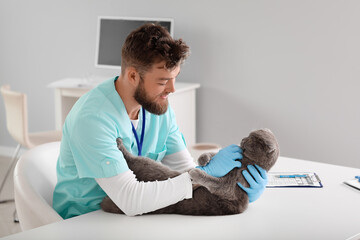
[(126, 92)]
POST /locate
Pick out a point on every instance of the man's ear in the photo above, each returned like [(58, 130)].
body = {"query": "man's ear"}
[(133, 76)]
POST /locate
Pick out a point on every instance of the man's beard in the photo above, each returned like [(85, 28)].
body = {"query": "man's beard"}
[(144, 100)]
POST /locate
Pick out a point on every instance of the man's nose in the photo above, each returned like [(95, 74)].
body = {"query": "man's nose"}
[(170, 86)]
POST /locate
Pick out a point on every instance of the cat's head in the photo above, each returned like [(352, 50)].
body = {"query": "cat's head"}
[(261, 147)]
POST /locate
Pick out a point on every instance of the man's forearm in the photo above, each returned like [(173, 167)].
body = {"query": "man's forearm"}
[(135, 198), (181, 161)]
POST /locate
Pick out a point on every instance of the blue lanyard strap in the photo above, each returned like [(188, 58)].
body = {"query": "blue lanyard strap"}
[(140, 143)]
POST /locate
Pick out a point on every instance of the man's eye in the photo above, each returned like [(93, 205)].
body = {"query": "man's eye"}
[(162, 84)]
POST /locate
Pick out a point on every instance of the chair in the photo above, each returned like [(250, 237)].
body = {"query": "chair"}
[(17, 125), (34, 183)]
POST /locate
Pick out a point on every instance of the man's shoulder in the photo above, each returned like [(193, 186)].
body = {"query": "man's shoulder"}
[(101, 98)]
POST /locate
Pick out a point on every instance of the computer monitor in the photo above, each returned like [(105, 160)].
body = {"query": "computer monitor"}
[(111, 35)]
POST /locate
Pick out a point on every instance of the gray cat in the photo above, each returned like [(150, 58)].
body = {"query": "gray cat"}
[(211, 195)]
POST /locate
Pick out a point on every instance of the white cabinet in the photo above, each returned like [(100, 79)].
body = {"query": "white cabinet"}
[(67, 91)]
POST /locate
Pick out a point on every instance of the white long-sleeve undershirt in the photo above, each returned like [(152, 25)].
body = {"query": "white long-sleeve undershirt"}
[(135, 198)]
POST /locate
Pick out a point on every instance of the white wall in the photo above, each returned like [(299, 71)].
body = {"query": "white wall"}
[(291, 66)]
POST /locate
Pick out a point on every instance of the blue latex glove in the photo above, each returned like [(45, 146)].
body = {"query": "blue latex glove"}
[(257, 181), (224, 161)]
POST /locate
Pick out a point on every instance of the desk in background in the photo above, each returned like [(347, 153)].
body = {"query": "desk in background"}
[(331, 212), (183, 102)]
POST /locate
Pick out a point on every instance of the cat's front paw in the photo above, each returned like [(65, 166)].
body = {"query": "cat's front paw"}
[(205, 158), (202, 178), (197, 176)]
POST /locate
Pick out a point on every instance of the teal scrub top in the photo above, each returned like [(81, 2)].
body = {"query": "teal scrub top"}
[(88, 147)]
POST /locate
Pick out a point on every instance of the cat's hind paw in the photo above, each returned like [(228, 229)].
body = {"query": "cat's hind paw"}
[(119, 143), (121, 147)]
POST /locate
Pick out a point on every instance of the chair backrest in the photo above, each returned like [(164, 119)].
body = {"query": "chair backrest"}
[(34, 183), (16, 114)]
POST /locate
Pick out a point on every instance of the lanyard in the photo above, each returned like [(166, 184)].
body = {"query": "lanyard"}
[(140, 143)]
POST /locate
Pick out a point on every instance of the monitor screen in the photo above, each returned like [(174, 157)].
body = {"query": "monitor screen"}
[(111, 35)]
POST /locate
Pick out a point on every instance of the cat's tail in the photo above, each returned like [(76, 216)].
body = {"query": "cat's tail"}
[(109, 206)]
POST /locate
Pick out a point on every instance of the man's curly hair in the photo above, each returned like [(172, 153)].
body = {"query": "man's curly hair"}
[(151, 44)]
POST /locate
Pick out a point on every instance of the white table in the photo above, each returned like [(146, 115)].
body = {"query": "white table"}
[(331, 212), (183, 102)]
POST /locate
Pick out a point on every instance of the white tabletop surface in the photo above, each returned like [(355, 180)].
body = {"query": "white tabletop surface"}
[(331, 212)]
